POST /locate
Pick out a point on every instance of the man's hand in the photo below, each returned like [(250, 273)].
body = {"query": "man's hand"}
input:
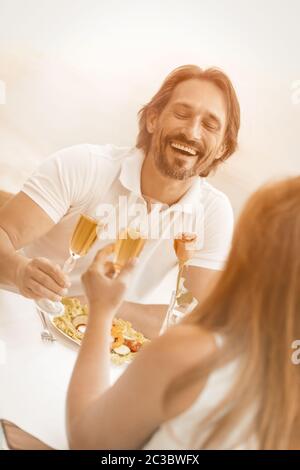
[(22, 222), (200, 281), (39, 278), (147, 319)]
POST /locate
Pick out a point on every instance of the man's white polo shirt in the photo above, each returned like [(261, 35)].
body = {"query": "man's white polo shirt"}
[(79, 179)]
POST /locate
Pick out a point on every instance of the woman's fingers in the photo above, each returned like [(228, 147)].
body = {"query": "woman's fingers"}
[(126, 272), (109, 269), (101, 257)]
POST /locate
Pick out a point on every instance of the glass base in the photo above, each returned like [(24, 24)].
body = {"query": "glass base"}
[(57, 308), (50, 307)]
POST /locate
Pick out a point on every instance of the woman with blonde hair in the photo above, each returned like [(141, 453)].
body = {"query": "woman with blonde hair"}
[(224, 377)]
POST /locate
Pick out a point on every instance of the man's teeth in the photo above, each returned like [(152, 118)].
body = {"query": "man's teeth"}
[(185, 148)]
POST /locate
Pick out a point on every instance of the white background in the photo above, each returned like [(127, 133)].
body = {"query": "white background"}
[(79, 70)]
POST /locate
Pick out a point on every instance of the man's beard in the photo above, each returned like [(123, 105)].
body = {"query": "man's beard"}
[(176, 169)]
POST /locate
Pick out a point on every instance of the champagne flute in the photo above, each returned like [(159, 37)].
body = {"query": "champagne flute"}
[(83, 238), (183, 246), (129, 245), (182, 301)]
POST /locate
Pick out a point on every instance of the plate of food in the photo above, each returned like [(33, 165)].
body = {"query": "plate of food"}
[(126, 341)]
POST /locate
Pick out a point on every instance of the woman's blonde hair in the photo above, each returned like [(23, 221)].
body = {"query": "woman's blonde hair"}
[(161, 98), (255, 306)]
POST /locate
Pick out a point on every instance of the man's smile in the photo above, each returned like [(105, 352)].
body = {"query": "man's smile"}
[(183, 149)]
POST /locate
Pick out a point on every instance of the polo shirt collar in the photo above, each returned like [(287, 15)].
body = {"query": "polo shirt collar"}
[(130, 178), (191, 199), (131, 170)]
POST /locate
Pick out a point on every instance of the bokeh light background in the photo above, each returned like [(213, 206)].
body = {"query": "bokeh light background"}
[(78, 71)]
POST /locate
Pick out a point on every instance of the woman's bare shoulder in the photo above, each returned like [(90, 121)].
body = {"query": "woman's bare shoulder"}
[(182, 347)]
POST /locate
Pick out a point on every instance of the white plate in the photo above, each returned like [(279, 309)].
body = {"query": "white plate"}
[(77, 341)]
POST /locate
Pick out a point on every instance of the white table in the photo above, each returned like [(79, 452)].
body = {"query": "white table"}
[(34, 375)]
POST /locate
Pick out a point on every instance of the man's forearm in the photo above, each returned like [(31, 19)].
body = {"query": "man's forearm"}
[(10, 260), (145, 318), (200, 281)]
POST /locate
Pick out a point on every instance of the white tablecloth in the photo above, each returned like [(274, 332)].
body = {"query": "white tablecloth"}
[(34, 375)]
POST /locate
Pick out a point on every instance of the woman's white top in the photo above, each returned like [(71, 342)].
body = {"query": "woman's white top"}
[(178, 433)]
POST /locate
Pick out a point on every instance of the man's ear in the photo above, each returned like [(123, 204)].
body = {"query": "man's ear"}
[(151, 120)]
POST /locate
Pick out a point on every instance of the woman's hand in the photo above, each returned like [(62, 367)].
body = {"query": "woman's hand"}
[(101, 286)]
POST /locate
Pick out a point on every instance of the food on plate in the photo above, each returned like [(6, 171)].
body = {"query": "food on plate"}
[(126, 341)]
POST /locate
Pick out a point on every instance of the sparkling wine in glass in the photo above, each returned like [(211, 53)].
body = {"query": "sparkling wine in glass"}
[(128, 246), (83, 238), (182, 301)]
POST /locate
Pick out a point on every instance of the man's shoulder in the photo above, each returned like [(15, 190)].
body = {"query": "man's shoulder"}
[(108, 152), (88, 159), (84, 152), (214, 197)]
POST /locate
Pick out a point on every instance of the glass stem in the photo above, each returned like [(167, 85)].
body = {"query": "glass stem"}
[(69, 264), (180, 272)]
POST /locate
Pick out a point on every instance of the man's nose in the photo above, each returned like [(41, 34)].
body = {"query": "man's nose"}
[(194, 130)]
